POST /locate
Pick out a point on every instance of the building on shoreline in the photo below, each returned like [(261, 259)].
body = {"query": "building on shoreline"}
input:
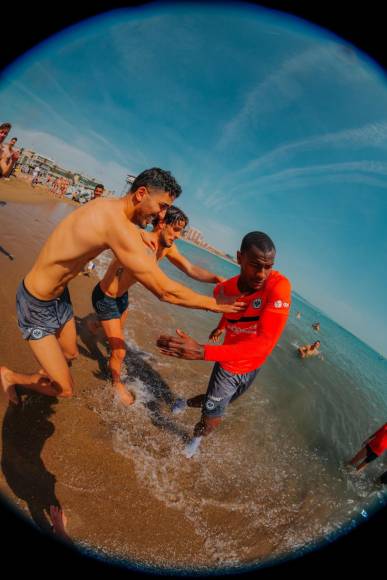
[(30, 160), (196, 237)]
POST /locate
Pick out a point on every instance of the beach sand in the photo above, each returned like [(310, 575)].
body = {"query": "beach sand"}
[(254, 491), (61, 449)]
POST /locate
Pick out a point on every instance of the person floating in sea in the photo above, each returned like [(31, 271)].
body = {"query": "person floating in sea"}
[(298, 315), (250, 337), (110, 295), (371, 449), (316, 326), (44, 309), (309, 350)]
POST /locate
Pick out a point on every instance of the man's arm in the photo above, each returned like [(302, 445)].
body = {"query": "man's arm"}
[(195, 272), (130, 251), (271, 326)]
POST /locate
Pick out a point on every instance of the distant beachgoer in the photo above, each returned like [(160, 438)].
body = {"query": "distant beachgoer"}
[(298, 315), (371, 449), (316, 326), (309, 350), (35, 177), (4, 130), (98, 191), (44, 309), (8, 157), (250, 337), (110, 295)]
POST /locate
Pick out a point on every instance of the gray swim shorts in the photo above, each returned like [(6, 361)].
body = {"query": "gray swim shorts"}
[(39, 318), (224, 388)]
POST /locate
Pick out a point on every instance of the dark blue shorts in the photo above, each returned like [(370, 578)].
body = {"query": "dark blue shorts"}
[(39, 318), (224, 388), (107, 307), (371, 455)]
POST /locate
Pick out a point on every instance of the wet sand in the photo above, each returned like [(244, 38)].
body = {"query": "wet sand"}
[(61, 450)]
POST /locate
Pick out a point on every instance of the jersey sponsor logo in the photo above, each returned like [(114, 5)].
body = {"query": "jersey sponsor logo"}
[(238, 330), (280, 304), (210, 405), (257, 303), (37, 333), (215, 398)]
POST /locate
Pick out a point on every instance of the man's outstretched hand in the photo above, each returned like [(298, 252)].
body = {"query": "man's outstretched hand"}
[(229, 304), (180, 346)]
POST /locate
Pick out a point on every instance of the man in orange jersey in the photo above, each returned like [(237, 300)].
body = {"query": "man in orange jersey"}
[(372, 447), (250, 336)]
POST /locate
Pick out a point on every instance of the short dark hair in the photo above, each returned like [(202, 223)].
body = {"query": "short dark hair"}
[(172, 216), (99, 185), (159, 179), (6, 126), (13, 139), (259, 240)]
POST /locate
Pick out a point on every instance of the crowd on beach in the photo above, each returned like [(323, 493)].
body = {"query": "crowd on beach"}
[(37, 175), (141, 229)]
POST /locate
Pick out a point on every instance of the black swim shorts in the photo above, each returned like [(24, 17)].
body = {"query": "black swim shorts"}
[(39, 318), (107, 307), (224, 388)]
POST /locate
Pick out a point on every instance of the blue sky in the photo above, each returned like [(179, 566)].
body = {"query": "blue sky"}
[(267, 122)]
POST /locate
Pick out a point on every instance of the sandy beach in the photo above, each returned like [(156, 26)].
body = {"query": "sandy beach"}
[(268, 482)]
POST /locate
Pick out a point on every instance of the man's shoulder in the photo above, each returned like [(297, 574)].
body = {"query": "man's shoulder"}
[(278, 281)]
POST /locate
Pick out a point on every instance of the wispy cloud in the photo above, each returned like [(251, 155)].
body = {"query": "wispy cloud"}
[(284, 86), (370, 135), (370, 173)]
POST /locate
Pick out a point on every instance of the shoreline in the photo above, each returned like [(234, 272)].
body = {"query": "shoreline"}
[(210, 252)]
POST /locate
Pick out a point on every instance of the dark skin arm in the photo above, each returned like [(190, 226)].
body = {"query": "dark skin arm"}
[(181, 346)]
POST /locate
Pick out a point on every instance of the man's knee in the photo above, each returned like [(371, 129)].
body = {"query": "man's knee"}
[(206, 425), (118, 354), (71, 355)]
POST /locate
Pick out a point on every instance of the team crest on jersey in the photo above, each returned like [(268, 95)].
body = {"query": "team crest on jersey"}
[(210, 405), (257, 303)]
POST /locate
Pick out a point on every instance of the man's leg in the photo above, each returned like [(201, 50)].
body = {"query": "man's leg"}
[(114, 332), (67, 338), (57, 382), (359, 457)]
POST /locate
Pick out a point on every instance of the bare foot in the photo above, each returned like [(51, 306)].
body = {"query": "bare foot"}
[(8, 385), (126, 397)]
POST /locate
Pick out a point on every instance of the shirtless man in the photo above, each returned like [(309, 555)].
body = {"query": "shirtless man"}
[(44, 309), (309, 350), (98, 191), (4, 130), (110, 295), (8, 157)]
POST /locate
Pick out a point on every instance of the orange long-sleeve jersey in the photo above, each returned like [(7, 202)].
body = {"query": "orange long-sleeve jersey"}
[(251, 335), (378, 442)]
